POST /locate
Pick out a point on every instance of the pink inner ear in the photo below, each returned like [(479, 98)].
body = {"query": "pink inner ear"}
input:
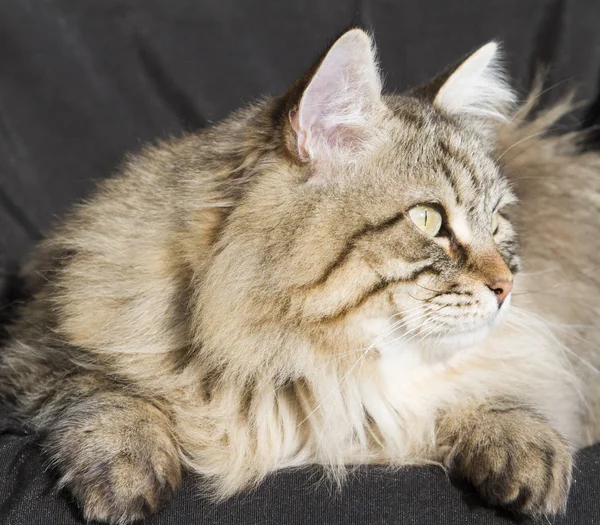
[(301, 135), (333, 114)]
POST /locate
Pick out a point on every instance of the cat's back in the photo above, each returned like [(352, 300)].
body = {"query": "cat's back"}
[(558, 186), (116, 277)]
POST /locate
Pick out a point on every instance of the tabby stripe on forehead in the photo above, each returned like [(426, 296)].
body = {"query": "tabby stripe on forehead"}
[(447, 171), (343, 256), (377, 288), (462, 159)]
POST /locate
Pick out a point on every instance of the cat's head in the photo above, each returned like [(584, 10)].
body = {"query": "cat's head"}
[(374, 213)]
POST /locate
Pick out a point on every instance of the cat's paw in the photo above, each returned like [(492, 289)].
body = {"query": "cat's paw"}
[(125, 489), (116, 456), (515, 459)]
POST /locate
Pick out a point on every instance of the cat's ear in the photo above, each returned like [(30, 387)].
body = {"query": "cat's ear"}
[(476, 87), (330, 110)]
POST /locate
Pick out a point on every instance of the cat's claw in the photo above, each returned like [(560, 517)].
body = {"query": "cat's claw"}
[(516, 460)]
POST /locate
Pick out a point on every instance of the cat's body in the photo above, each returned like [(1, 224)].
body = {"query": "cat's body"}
[(238, 301)]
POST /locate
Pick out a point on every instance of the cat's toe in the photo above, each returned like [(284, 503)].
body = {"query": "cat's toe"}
[(125, 489), (534, 480), (116, 455), (516, 460)]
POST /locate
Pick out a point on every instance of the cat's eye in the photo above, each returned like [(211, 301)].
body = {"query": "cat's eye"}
[(495, 223), (427, 219)]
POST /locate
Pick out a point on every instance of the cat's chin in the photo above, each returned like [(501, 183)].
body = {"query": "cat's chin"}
[(455, 341)]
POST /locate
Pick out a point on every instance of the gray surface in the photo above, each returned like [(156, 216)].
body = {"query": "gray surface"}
[(373, 496), (82, 82)]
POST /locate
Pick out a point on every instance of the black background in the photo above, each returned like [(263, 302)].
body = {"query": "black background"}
[(84, 81)]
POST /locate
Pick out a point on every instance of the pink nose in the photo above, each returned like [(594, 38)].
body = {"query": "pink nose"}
[(501, 289)]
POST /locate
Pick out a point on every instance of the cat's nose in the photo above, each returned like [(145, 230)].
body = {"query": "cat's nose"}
[(501, 289)]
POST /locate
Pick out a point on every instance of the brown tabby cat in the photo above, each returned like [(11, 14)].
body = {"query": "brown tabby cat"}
[(315, 280)]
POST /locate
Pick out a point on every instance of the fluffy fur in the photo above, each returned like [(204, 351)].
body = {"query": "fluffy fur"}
[(256, 296), (477, 87)]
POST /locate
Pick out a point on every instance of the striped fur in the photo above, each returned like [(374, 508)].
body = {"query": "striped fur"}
[(210, 307)]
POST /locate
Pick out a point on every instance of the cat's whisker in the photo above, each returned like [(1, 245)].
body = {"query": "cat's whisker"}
[(524, 150), (404, 312), (415, 329), (388, 331), (431, 330), (540, 272), (531, 102), (430, 289), (427, 313), (411, 318), (518, 167), (397, 325), (564, 326), (536, 292), (533, 135), (338, 386), (526, 329), (419, 299), (546, 325), (360, 360), (436, 293)]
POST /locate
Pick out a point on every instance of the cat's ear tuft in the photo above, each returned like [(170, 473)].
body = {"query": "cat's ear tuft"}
[(332, 114), (477, 87)]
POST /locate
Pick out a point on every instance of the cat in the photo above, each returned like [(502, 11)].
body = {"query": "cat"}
[(323, 277)]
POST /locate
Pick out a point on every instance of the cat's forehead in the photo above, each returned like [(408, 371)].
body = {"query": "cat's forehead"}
[(438, 157)]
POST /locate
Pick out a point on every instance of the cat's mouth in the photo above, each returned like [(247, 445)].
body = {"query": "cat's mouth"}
[(450, 322), (458, 330)]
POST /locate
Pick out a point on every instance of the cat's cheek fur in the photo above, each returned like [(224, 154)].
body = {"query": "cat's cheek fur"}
[(444, 323)]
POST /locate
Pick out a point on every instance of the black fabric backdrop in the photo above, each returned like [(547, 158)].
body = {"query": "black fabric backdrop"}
[(84, 81)]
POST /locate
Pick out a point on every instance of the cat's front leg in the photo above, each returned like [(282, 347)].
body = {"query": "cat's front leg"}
[(115, 454), (510, 454)]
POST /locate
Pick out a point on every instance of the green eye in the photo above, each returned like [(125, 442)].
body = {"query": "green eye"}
[(495, 221), (427, 219)]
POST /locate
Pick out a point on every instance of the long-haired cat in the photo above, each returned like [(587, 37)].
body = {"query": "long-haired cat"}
[(324, 277)]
